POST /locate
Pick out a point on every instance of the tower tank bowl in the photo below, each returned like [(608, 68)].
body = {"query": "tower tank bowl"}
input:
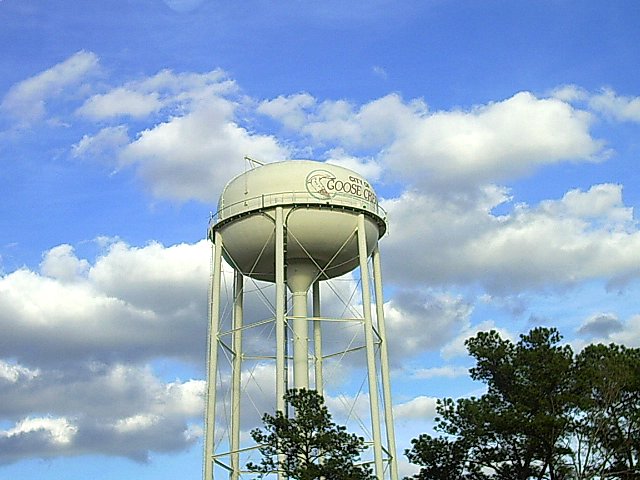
[(321, 204)]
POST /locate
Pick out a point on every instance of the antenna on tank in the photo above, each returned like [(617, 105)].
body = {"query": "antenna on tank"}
[(253, 162)]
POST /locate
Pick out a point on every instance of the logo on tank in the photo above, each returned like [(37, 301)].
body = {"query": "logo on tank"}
[(324, 185), (318, 183)]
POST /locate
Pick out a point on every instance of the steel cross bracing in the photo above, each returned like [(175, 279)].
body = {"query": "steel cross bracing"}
[(375, 347)]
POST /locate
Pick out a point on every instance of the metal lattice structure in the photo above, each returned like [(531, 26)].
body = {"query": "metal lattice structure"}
[(295, 225)]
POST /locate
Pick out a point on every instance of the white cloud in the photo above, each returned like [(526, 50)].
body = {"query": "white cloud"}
[(583, 236), (102, 145), (602, 203), (136, 422), (570, 93), (448, 371), (58, 430), (98, 390), (419, 408), (180, 87), (257, 397), (601, 325), (120, 102), (457, 348), (492, 142), (27, 99), (629, 335), (62, 264), (153, 276), (371, 125), (97, 408), (618, 107), (140, 98), (351, 410), (606, 102), (13, 373), (193, 143), (194, 155), (131, 303), (368, 168), (416, 322), (290, 110), (497, 141)]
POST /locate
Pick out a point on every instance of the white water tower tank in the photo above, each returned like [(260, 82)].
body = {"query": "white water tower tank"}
[(321, 207)]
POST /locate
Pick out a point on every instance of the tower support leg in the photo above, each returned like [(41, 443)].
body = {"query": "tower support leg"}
[(280, 318), (236, 384), (384, 365), (370, 348), (212, 357)]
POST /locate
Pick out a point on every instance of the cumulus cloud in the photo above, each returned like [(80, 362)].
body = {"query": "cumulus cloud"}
[(97, 408), (27, 100), (83, 332), (629, 335), (289, 109), (584, 235), (606, 102), (194, 155), (371, 125), (487, 143), (368, 168), (570, 93), (497, 141), (618, 107), (120, 102), (55, 430), (352, 410), (141, 98), (103, 145), (12, 373), (601, 325), (39, 436), (133, 303), (417, 322), (61, 263), (457, 348), (192, 142), (448, 371), (419, 408), (608, 327)]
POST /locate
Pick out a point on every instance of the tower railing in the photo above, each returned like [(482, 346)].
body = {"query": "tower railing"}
[(250, 204)]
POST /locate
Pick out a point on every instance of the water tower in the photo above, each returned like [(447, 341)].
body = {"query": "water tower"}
[(296, 224)]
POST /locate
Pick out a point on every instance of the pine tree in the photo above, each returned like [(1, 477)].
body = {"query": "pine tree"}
[(309, 445)]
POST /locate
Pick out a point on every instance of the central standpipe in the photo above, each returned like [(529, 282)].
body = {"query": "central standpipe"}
[(317, 338), (300, 276)]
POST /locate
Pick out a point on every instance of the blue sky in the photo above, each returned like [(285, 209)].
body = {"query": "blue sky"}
[(502, 137)]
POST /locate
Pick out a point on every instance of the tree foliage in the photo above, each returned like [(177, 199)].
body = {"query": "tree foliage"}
[(607, 423), (547, 414), (308, 446)]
